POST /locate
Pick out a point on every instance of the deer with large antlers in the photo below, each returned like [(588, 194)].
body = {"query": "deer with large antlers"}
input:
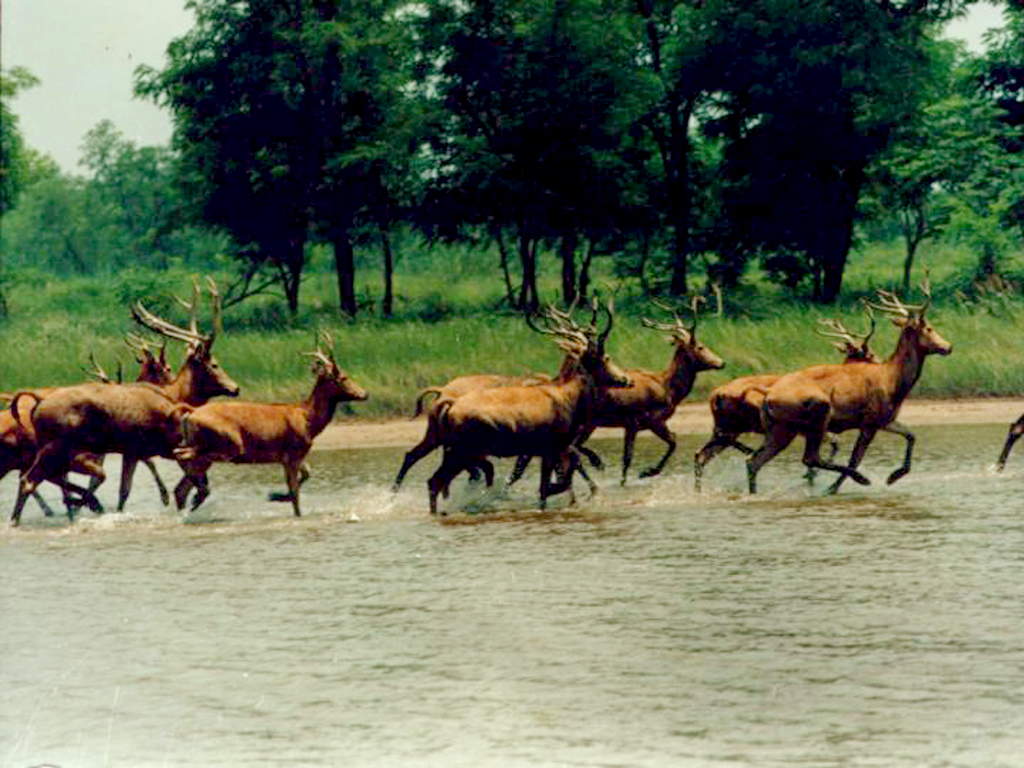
[(18, 444), (138, 421), (263, 433), (649, 402), (543, 420), (461, 385), (862, 396), (736, 405)]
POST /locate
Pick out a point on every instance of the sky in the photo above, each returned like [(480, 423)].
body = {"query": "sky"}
[(85, 53)]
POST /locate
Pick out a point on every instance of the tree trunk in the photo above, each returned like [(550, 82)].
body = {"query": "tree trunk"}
[(503, 256), (528, 297), (387, 306), (836, 237), (289, 257), (344, 266), (679, 197), (567, 250)]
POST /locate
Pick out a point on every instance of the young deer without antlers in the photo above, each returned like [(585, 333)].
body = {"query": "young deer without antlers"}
[(138, 421), (263, 433), (861, 396), (736, 405), (543, 420)]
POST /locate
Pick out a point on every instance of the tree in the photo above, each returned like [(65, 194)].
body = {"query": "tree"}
[(528, 94), (12, 150), (807, 100), (276, 105)]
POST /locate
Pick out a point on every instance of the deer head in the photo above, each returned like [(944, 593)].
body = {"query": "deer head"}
[(855, 347), (201, 375), (916, 330), (584, 347), (333, 381), (690, 353)]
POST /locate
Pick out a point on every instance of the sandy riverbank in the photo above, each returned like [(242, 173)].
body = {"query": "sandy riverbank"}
[(689, 418)]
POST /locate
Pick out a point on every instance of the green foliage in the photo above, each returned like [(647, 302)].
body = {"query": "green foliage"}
[(56, 324)]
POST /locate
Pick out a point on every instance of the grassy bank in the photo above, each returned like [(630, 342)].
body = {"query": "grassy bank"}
[(55, 324)]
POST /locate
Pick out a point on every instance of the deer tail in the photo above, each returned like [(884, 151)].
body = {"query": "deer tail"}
[(14, 404), (424, 394)]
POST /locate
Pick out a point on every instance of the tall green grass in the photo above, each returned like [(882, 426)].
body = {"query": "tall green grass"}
[(447, 328)]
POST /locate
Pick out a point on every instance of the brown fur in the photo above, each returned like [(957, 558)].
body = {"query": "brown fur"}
[(261, 433), (838, 397)]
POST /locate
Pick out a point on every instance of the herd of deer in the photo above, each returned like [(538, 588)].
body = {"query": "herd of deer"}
[(48, 433)]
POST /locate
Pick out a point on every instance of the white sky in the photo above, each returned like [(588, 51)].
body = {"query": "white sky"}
[(85, 53)]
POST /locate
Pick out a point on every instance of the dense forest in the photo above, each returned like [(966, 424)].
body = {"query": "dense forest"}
[(689, 145)]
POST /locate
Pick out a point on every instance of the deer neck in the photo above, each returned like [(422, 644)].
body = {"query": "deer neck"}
[(181, 389), (320, 407), (905, 366), (679, 377)]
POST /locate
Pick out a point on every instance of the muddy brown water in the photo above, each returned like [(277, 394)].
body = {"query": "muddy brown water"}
[(647, 626)]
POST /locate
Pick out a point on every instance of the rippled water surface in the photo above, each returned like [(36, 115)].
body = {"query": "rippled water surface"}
[(647, 626)]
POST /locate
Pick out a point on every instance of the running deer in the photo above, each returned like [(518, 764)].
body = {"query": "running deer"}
[(543, 420), (263, 433), (862, 396), (649, 402), (18, 444), (460, 385), (736, 405), (139, 421), (464, 384)]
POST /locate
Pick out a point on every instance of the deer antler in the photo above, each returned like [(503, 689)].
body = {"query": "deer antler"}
[(677, 329), (191, 335), (324, 353), (97, 371)]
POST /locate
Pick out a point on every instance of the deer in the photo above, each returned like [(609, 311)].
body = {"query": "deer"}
[(862, 396), (18, 444), (736, 405), (263, 433), (543, 420), (462, 385), (139, 421), (1016, 430), (649, 402)]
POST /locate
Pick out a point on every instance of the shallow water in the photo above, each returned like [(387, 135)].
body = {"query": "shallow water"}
[(647, 626)]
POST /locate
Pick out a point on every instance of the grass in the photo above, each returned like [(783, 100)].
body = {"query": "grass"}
[(449, 328)]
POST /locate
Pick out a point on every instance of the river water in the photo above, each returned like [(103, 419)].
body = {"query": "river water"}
[(646, 626)]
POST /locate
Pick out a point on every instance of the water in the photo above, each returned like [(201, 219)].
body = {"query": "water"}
[(647, 626)]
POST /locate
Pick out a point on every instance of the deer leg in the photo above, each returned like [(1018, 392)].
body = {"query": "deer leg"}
[(304, 473), (451, 465), (519, 470), (547, 466), (415, 454), (899, 429), (1016, 429), (713, 447), (860, 447), (165, 498), (775, 442), (661, 429), (627, 451), (47, 510), (812, 472), (128, 465), (291, 476)]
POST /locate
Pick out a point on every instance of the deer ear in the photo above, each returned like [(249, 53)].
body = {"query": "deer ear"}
[(900, 322)]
